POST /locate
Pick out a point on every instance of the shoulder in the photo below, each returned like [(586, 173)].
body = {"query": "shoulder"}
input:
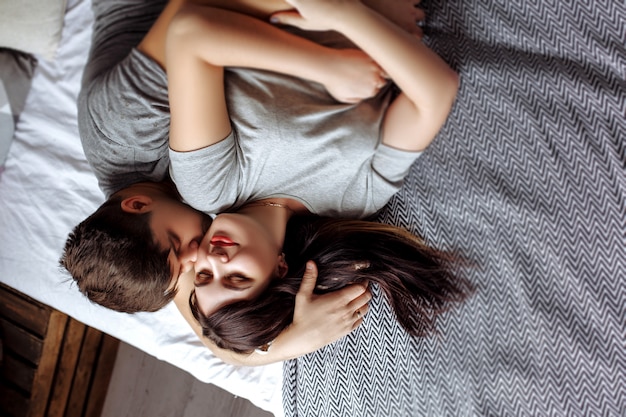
[(209, 179), (127, 105)]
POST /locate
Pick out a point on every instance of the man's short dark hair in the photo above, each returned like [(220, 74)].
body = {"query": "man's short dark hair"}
[(114, 259)]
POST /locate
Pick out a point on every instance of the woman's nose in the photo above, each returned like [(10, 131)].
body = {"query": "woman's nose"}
[(219, 253)]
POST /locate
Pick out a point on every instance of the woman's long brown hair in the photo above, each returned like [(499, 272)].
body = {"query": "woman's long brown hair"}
[(415, 278)]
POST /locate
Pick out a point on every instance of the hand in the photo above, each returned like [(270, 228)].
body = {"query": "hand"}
[(293, 18), (351, 76), (322, 319), (406, 14), (314, 14)]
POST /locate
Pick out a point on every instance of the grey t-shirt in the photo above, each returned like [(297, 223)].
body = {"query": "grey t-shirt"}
[(123, 108), (125, 130), (332, 149), (291, 139)]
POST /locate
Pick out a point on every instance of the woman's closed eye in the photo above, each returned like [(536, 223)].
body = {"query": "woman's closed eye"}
[(237, 282), (234, 282), (203, 278), (238, 279)]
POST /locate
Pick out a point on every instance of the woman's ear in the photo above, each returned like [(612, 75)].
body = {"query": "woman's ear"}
[(283, 268), (137, 204)]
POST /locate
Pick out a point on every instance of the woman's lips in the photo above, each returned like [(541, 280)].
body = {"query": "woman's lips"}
[(222, 241)]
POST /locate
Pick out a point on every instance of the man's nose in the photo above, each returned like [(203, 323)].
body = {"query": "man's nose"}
[(188, 256)]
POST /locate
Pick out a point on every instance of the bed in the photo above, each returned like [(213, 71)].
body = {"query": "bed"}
[(527, 180), (46, 187)]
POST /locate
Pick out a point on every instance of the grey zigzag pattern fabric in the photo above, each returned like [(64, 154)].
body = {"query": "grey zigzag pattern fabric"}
[(528, 180)]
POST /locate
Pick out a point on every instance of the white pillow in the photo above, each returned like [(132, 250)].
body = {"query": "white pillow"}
[(32, 26)]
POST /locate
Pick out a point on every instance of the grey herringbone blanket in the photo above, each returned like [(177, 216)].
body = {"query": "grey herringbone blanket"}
[(527, 180)]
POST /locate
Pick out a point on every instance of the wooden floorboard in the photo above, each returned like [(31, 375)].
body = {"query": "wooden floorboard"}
[(143, 386)]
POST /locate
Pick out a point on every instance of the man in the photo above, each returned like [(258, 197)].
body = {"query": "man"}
[(130, 253), (127, 255)]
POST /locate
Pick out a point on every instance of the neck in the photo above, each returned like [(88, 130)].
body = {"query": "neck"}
[(293, 206), (272, 214)]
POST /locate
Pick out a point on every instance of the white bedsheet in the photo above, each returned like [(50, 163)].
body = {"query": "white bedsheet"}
[(46, 188)]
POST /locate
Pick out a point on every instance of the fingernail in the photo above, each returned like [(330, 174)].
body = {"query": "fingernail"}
[(274, 19), (309, 265)]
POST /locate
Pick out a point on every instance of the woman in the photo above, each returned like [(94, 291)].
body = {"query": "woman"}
[(357, 153), (415, 279)]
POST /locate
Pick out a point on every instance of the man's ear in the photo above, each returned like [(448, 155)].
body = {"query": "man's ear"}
[(283, 268), (137, 204)]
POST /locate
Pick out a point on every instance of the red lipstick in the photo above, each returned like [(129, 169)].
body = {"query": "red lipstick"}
[(222, 241)]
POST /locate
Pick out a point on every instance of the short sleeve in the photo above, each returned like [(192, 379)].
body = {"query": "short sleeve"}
[(393, 164), (377, 181), (208, 178)]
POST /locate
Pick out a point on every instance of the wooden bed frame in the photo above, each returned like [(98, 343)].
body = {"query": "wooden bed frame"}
[(51, 364)]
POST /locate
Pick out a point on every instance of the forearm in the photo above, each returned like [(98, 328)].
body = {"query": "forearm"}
[(420, 73), (261, 9), (228, 39), (153, 43), (200, 43)]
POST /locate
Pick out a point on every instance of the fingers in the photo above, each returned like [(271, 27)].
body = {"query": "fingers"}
[(359, 313), (360, 303), (376, 87), (351, 293), (288, 17), (377, 84), (350, 100), (349, 304), (308, 279), (359, 316), (420, 21), (294, 18), (358, 308), (380, 85), (357, 324)]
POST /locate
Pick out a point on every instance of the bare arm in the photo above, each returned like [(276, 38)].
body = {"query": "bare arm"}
[(202, 41), (428, 84), (153, 44), (318, 321)]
